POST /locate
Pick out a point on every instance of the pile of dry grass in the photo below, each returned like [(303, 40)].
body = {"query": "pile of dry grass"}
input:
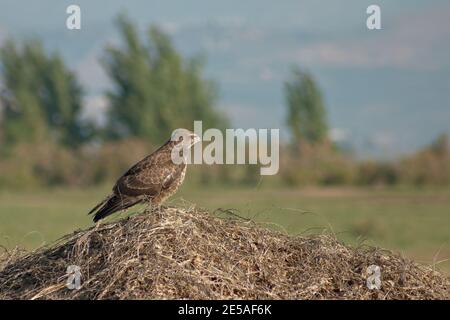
[(177, 253)]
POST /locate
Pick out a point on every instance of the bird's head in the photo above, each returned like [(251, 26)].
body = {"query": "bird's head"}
[(184, 138)]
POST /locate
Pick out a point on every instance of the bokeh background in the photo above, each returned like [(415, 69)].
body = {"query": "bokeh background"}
[(364, 115)]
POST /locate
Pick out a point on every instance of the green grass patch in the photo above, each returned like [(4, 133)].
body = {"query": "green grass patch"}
[(414, 222)]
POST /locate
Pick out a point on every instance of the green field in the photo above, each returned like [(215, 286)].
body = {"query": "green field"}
[(415, 223)]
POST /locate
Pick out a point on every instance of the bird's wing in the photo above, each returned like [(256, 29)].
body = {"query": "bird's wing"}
[(149, 176)]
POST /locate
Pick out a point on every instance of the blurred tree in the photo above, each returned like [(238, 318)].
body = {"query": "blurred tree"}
[(428, 166), (41, 98), (306, 117), (441, 145), (156, 90)]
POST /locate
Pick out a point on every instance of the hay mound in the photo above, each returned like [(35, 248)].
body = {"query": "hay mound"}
[(177, 253)]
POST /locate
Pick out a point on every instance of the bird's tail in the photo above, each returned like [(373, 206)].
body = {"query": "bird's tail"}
[(112, 204)]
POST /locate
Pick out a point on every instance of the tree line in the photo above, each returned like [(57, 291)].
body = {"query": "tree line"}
[(43, 135), (155, 90)]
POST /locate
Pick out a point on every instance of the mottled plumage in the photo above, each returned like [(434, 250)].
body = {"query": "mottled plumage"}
[(153, 179)]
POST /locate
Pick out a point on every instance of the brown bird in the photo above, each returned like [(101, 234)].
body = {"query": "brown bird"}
[(151, 180)]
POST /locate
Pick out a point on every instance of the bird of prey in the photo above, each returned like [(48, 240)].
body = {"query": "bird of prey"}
[(151, 180)]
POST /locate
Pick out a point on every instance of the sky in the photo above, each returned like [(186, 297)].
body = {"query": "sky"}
[(387, 91)]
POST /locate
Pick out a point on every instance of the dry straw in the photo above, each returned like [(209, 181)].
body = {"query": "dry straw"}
[(191, 254)]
